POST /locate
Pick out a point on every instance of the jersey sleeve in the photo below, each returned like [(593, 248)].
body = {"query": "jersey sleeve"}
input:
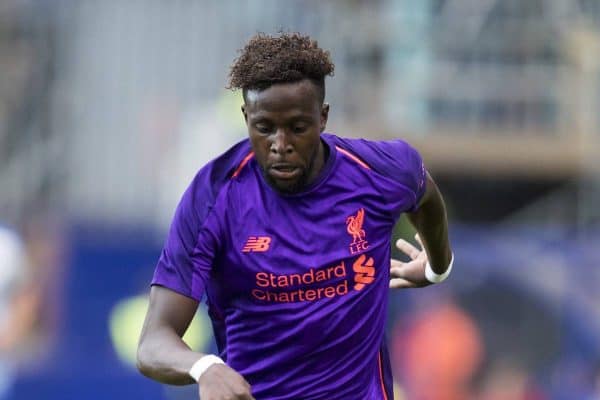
[(400, 167), (403, 165), (186, 259), (194, 238)]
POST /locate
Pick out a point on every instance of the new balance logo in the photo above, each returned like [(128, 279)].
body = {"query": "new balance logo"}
[(364, 272), (257, 244)]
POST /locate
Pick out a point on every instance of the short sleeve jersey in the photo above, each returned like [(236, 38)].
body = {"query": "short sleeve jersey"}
[(297, 285)]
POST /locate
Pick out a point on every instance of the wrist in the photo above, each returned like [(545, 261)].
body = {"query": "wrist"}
[(202, 364), (433, 277)]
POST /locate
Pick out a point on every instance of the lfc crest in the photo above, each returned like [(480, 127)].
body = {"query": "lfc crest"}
[(354, 226)]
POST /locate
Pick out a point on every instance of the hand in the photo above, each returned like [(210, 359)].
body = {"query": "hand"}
[(220, 382), (409, 274)]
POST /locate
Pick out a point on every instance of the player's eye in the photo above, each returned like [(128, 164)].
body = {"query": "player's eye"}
[(299, 128), (262, 128)]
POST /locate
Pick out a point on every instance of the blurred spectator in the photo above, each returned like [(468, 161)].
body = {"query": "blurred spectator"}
[(29, 293), (46, 250), (508, 379), (16, 305), (438, 353)]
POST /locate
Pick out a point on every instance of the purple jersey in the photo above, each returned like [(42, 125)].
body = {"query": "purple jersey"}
[(297, 285)]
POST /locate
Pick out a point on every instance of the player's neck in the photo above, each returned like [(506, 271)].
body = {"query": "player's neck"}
[(319, 163)]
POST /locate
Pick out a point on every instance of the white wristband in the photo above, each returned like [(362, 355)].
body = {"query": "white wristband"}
[(202, 365), (437, 278)]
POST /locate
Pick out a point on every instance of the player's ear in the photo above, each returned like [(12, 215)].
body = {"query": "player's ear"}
[(324, 116)]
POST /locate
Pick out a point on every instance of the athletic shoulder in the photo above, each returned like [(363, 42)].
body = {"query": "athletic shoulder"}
[(387, 157), (397, 163), (186, 260)]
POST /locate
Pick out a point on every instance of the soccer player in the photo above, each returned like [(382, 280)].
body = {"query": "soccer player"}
[(287, 237)]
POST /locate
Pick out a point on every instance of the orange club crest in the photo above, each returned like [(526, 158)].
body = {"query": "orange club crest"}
[(354, 226)]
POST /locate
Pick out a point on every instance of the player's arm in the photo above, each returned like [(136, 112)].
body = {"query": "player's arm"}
[(163, 355), (431, 223)]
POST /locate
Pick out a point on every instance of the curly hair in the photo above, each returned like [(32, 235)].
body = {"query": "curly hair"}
[(288, 57)]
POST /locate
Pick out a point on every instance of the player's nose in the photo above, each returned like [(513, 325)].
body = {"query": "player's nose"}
[(280, 143)]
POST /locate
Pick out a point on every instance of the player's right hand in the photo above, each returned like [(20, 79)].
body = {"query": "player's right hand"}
[(410, 274), (220, 382)]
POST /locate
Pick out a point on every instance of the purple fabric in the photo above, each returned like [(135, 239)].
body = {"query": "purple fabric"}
[(297, 285)]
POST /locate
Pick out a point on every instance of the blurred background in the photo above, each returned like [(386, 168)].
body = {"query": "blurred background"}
[(108, 108)]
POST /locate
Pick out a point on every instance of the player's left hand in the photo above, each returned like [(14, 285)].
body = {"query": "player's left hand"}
[(410, 274)]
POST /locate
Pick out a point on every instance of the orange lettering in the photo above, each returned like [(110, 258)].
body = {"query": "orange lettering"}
[(282, 281), (269, 294), (340, 270), (330, 291), (272, 278), (309, 277), (321, 276), (358, 247), (342, 288), (310, 294), (283, 297), (297, 278), (329, 271), (262, 279)]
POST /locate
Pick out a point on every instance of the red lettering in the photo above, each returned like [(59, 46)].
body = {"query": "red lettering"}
[(262, 279), (309, 277), (269, 294), (282, 281), (342, 288), (330, 291), (321, 275), (273, 277), (283, 297), (295, 278), (359, 246), (340, 270)]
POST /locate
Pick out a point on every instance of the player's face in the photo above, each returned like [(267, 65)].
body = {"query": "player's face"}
[(285, 122)]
